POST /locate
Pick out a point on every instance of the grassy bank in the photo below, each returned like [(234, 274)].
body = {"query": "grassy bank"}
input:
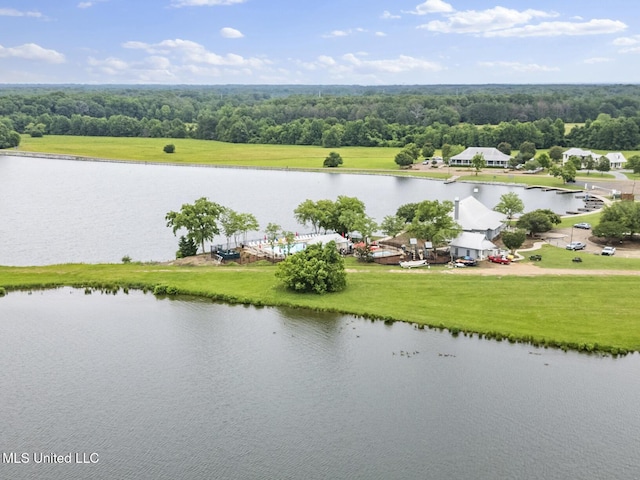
[(561, 311)]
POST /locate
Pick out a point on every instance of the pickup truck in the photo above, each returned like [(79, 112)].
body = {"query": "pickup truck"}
[(499, 259), (576, 246)]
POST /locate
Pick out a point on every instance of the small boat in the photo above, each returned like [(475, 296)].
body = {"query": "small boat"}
[(414, 264)]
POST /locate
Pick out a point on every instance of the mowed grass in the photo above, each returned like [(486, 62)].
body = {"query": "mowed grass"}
[(565, 309), (208, 152)]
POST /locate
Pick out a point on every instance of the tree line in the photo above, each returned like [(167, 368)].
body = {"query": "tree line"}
[(345, 116)]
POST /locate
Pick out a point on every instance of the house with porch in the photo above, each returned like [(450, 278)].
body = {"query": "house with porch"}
[(492, 157), (616, 159)]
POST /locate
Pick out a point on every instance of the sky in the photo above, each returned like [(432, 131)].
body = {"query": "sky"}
[(329, 42)]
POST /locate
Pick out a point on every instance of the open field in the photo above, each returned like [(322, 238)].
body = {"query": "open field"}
[(189, 151), (560, 310)]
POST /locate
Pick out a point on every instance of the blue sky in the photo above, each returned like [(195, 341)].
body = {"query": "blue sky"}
[(366, 42)]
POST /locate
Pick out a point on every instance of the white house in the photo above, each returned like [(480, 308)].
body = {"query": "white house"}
[(480, 225), (474, 245), (492, 156), (475, 217), (616, 159)]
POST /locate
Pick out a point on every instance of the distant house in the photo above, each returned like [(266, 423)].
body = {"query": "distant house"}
[(492, 156), (616, 159), (474, 245), (473, 216)]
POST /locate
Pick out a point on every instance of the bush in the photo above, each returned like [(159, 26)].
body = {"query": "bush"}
[(170, 148), (126, 259), (316, 269), (3, 291), (333, 160)]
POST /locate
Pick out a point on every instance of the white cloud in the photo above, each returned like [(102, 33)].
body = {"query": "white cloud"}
[(32, 51), (228, 32), (594, 60), (519, 67), (432, 6), (401, 64), (12, 12), (386, 15), (380, 34), (90, 4), (203, 3), (626, 41), (482, 22), (557, 29), (189, 52), (344, 33)]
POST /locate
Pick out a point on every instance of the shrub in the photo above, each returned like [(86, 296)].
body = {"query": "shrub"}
[(170, 148), (3, 291), (333, 160), (126, 259), (317, 269)]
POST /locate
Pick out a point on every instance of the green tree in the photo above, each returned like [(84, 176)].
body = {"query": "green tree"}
[(392, 225), (555, 153), (404, 159), (289, 240), (8, 138), (308, 212), (510, 204), (428, 150), (513, 239), (538, 221), (504, 147), (633, 163), (186, 247), (348, 213), (230, 223), (170, 148), (544, 160), (333, 160), (604, 165), (199, 219), (609, 229), (407, 212), (316, 269), (626, 213), (478, 162), (566, 172), (247, 222), (589, 164), (527, 150), (434, 222), (271, 232)]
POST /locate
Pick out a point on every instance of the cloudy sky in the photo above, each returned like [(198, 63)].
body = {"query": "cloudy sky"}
[(366, 42)]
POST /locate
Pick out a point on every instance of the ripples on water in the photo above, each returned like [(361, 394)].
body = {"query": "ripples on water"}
[(166, 389)]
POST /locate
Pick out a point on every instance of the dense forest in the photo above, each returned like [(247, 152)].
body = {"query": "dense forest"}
[(333, 116)]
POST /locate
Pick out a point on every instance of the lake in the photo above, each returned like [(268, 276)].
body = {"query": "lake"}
[(165, 389), (60, 211)]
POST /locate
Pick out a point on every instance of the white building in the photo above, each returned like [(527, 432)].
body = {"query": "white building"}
[(492, 156), (616, 159)]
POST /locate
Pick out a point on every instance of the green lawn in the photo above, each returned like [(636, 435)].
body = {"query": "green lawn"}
[(567, 311), (189, 151)]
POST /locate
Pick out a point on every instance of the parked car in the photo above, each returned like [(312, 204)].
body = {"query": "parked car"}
[(499, 259), (576, 246), (583, 225), (467, 261), (608, 251)]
